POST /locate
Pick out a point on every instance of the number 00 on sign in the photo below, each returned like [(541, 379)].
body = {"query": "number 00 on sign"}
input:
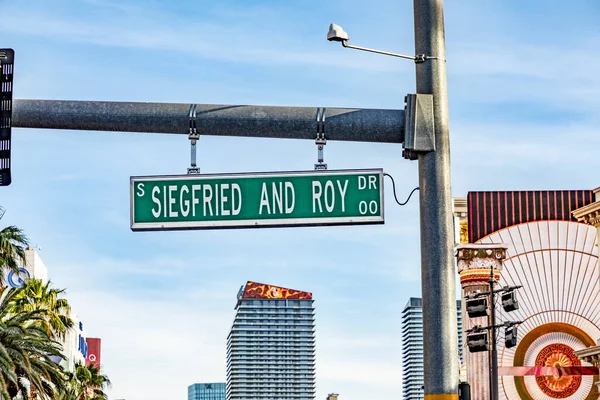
[(344, 197)]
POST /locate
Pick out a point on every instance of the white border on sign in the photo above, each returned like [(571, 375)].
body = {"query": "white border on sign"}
[(252, 223)]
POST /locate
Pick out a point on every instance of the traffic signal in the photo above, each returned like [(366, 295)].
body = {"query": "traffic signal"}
[(477, 307), (510, 337), (478, 341), (509, 301), (6, 91)]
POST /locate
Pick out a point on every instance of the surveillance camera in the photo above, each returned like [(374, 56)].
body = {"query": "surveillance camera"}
[(337, 34)]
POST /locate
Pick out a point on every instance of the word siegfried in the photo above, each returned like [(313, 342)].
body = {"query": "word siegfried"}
[(226, 199)]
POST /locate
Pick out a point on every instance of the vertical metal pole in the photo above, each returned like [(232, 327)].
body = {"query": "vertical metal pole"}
[(490, 373), (438, 277), (494, 361)]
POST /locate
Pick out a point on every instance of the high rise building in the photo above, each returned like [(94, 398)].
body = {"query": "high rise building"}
[(271, 345), (412, 347), (207, 391)]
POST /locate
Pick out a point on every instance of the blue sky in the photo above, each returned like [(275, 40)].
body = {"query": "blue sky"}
[(524, 97)]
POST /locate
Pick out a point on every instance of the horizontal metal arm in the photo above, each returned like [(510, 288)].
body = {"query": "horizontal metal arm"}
[(387, 53), (349, 124)]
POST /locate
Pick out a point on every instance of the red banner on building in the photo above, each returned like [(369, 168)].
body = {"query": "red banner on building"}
[(94, 351)]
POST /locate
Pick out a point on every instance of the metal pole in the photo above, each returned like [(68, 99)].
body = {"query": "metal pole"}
[(490, 323), (437, 240), (351, 124), (494, 361)]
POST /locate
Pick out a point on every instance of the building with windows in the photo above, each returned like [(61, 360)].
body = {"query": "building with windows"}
[(271, 345), (207, 391), (412, 347)]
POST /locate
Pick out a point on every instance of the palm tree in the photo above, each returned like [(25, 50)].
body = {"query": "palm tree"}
[(86, 383), (36, 295), (25, 351), (13, 243)]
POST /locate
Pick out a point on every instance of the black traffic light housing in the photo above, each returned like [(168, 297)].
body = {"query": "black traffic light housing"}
[(509, 301), (478, 341), (7, 57), (510, 336), (477, 307)]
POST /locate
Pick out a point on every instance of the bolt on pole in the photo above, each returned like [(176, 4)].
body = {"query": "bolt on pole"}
[(440, 352)]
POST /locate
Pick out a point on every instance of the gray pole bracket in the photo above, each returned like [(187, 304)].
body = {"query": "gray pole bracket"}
[(320, 141), (419, 125), (194, 136)]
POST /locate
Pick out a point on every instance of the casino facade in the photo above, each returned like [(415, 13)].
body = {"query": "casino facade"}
[(552, 251)]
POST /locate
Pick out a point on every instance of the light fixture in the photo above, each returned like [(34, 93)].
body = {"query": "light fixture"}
[(337, 34)]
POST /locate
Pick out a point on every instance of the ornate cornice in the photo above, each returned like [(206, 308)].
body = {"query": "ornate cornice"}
[(472, 256), (590, 354), (589, 214), (477, 276), (459, 207)]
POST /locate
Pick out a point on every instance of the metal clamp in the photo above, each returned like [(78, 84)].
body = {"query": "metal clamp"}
[(320, 141), (194, 136), (421, 58)]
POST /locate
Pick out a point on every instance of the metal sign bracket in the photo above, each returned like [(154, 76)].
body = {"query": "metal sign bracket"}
[(320, 141), (194, 136)]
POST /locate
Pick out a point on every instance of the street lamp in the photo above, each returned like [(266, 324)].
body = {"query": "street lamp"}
[(337, 34)]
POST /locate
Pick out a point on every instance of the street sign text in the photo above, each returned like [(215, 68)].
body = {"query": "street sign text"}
[(344, 197)]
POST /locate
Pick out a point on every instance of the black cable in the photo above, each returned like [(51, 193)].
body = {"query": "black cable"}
[(394, 187)]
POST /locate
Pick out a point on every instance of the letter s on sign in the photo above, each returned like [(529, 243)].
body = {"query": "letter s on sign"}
[(140, 188)]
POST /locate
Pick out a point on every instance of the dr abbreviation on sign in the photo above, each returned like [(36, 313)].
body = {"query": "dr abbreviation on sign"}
[(254, 200)]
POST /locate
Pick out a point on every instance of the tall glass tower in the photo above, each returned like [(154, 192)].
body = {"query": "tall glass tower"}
[(271, 345), (412, 347), (207, 391)]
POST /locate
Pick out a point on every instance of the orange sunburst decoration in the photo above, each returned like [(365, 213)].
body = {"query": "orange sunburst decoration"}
[(255, 290), (558, 355)]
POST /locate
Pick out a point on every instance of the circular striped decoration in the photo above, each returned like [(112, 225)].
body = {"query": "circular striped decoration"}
[(556, 263)]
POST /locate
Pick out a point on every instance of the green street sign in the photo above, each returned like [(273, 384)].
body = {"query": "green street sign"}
[(255, 200)]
